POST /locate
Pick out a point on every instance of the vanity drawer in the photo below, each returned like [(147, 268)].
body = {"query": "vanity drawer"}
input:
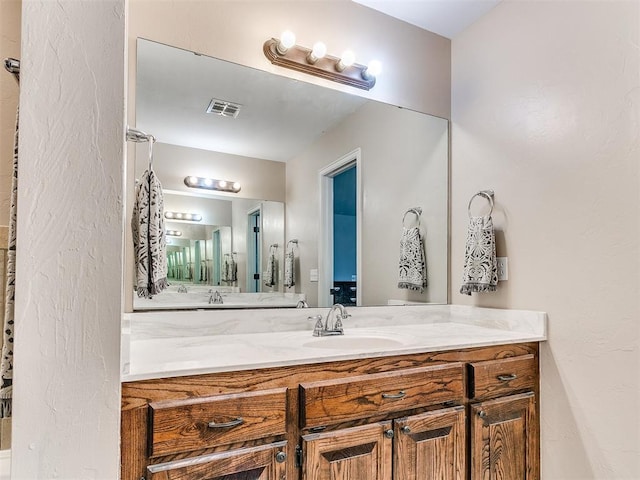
[(495, 378), (198, 423), (339, 400)]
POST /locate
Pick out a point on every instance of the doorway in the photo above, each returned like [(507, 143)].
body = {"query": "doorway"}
[(340, 237)]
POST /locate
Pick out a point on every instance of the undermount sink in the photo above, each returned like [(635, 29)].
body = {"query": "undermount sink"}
[(344, 342)]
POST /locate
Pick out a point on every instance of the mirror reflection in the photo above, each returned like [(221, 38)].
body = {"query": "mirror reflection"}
[(324, 177)]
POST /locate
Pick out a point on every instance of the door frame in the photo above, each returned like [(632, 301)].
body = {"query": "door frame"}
[(254, 250), (325, 237)]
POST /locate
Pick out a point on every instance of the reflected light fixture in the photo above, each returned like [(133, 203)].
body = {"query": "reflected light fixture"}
[(212, 184), (174, 233), (284, 52), (190, 217)]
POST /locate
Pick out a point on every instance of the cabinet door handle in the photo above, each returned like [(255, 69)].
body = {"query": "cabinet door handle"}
[(482, 414), (507, 378), (405, 429), (400, 394), (232, 423)]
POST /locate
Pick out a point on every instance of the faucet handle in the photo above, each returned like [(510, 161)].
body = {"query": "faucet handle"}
[(317, 329), (337, 327)]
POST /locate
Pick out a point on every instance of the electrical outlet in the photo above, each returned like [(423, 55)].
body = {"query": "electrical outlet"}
[(503, 268)]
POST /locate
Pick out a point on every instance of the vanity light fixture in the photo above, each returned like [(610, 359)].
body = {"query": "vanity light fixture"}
[(174, 233), (212, 184), (193, 217), (284, 52)]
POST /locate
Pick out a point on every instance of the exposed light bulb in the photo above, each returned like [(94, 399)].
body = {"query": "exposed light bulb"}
[(188, 216), (318, 51), (347, 59), (374, 68), (208, 182), (236, 186), (287, 40), (222, 184), (179, 216), (192, 180), (168, 214)]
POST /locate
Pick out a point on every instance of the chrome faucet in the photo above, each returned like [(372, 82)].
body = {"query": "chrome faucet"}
[(332, 324), (215, 298), (182, 289), (302, 304)]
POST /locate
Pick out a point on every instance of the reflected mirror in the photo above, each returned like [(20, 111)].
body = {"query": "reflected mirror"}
[(326, 180)]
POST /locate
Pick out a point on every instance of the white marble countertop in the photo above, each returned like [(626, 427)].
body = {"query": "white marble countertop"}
[(168, 344)]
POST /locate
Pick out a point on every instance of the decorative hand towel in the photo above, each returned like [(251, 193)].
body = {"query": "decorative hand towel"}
[(412, 265), (480, 267), (269, 277), (289, 268), (6, 368), (147, 224), (232, 265), (224, 274)]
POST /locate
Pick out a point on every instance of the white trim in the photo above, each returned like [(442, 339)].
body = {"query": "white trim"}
[(325, 240)]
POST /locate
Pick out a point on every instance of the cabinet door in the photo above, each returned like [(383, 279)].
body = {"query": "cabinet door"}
[(504, 439), (356, 453), (430, 446), (266, 462)]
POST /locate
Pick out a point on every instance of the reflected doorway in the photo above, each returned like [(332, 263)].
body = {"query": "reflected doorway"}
[(340, 239)]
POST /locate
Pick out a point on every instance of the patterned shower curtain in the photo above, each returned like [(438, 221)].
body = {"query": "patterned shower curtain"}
[(6, 367)]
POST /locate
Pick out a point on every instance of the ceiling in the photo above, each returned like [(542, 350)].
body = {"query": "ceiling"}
[(444, 17)]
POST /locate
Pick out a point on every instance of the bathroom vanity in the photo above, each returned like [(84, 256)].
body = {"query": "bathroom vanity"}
[(452, 395)]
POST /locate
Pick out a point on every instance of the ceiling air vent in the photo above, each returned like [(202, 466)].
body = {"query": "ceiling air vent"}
[(223, 108)]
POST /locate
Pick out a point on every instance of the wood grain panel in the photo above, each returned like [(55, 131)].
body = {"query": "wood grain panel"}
[(333, 401), (258, 463), (349, 454), (497, 378), (504, 442), (140, 393), (185, 425), (431, 446)]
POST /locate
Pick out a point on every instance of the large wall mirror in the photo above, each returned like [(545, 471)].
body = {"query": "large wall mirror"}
[(326, 178)]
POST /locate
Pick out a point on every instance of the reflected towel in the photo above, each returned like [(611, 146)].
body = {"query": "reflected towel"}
[(270, 274), (480, 267), (232, 269), (147, 225), (289, 269), (412, 265)]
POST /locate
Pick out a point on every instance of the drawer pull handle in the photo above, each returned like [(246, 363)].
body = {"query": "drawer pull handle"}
[(482, 414), (406, 429), (281, 457), (507, 378), (400, 394), (388, 433), (232, 423)]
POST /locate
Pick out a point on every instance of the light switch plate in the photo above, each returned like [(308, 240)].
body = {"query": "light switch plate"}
[(313, 275), (503, 268)]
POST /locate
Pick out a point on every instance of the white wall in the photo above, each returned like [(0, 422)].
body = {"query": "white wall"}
[(546, 102), (69, 249)]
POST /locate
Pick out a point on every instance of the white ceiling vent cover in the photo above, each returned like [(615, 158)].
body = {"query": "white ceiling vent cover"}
[(223, 108)]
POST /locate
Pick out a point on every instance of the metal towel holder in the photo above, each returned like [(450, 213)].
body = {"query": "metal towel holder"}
[(488, 194)]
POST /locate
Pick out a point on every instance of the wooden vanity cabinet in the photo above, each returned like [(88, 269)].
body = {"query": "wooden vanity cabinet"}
[(504, 422), (466, 414)]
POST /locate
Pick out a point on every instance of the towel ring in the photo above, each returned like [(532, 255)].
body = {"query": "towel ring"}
[(417, 211), (488, 194)]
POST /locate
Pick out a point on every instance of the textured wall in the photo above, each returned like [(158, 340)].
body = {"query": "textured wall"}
[(546, 102), (69, 254)]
